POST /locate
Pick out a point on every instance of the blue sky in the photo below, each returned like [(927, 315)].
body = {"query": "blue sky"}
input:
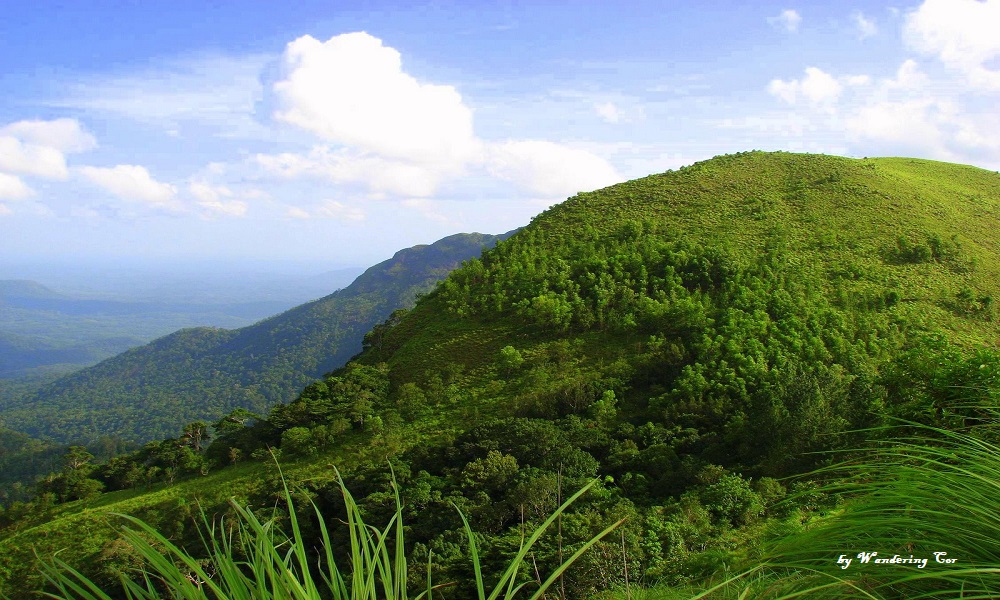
[(339, 132)]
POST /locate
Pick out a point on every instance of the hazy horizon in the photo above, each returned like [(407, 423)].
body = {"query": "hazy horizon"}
[(138, 279)]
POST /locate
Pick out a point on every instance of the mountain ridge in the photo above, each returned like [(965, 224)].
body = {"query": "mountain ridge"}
[(252, 367), (696, 341)]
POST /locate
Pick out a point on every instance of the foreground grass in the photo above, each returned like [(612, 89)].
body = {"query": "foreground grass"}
[(935, 491), (933, 496), (256, 560)]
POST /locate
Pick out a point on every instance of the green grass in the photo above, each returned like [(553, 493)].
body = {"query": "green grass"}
[(256, 561), (932, 491)]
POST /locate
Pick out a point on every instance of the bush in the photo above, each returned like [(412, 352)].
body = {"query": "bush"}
[(299, 441), (510, 359), (731, 500)]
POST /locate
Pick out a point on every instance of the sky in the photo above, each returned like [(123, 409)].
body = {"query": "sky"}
[(338, 132)]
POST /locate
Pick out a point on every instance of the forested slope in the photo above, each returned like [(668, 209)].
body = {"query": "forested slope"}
[(152, 391), (692, 339)]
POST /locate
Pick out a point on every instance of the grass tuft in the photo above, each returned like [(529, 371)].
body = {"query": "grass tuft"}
[(255, 560), (937, 490)]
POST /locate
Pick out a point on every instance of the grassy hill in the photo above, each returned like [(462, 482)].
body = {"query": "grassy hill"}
[(150, 392), (692, 338)]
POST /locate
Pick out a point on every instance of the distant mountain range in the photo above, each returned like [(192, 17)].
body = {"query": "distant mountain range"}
[(45, 333), (151, 391)]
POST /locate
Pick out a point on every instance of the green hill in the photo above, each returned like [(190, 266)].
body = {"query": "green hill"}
[(691, 338), (150, 392), (748, 305)]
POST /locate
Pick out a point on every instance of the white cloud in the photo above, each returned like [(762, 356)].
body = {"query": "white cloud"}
[(911, 125), (288, 164), (217, 199), (962, 34), (433, 212), (909, 113), (352, 90), (817, 87), (4, 210), (866, 27), (30, 159), (231, 208), (205, 192), (64, 135), (914, 115), (38, 148), (789, 20), (548, 168), (12, 188), (133, 183), (608, 111), (909, 77), (392, 134), (346, 166)]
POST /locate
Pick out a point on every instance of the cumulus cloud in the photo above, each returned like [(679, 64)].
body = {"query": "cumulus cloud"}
[(65, 135), (962, 34), (909, 77), (12, 188), (30, 159), (231, 208), (347, 166), (205, 192), (388, 132), (864, 26), (217, 199), (816, 87), (38, 148), (910, 125), (132, 183), (909, 113), (548, 168), (352, 90), (788, 20), (332, 209)]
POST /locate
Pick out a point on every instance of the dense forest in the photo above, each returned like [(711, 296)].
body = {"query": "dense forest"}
[(758, 363)]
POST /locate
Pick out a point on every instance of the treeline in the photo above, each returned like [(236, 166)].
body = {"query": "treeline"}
[(691, 508), (751, 357)]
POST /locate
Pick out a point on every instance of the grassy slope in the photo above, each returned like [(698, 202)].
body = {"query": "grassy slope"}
[(845, 227), (841, 216)]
